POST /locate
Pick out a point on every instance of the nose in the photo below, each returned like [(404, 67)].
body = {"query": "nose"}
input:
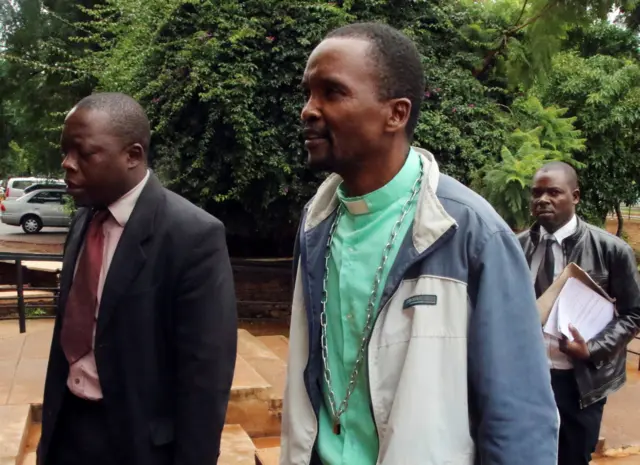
[(310, 111), (68, 163)]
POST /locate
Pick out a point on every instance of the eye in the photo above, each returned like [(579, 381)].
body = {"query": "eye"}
[(333, 92)]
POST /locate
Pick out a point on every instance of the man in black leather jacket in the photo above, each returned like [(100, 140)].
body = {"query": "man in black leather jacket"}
[(583, 373)]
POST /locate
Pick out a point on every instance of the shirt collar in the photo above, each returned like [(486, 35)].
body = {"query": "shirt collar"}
[(122, 208), (565, 231), (381, 198)]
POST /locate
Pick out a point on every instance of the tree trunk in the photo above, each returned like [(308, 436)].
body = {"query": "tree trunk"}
[(620, 220)]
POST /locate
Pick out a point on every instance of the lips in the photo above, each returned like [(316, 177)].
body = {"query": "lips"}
[(313, 134)]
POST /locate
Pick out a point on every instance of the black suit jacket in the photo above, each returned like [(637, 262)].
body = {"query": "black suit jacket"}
[(166, 334)]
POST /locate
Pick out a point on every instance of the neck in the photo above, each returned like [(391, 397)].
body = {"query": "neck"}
[(551, 229), (135, 179), (376, 173)]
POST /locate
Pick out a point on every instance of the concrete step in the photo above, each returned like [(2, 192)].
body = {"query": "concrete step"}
[(247, 382), (14, 426), (278, 344), (266, 442), (270, 456), (267, 450), (628, 460), (268, 365), (260, 411), (236, 447)]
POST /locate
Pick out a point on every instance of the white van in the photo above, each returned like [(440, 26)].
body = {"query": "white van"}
[(16, 186)]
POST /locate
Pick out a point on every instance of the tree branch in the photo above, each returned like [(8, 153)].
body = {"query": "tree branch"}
[(490, 57), (533, 19), (521, 13)]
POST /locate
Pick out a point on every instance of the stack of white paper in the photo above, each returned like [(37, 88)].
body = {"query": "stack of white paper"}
[(580, 306)]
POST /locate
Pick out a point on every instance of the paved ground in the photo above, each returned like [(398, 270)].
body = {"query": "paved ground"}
[(46, 236), (23, 360), (49, 240), (622, 412)]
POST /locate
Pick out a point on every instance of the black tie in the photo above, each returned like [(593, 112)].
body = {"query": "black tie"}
[(545, 274)]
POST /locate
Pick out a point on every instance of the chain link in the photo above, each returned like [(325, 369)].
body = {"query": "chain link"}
[(337, 412)]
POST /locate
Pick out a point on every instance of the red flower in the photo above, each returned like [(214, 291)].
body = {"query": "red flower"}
[(271, 38)]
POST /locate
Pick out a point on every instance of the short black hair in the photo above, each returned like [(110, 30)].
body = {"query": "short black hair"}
[(568, 170), (398, 62), (127, 116)]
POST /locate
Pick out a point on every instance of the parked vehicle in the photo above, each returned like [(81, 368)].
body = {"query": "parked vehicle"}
[(40, 186), (35, 210), (16, 186)]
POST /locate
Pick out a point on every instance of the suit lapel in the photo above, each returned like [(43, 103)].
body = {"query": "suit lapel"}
[(130, 255), (72, 249)]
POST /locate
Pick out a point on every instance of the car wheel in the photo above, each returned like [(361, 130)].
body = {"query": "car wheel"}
[(31, 224)]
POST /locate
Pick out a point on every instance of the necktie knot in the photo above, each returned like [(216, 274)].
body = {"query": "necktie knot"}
[(100, 216)]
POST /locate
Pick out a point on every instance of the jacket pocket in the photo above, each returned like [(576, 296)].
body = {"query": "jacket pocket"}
[(425, 307)]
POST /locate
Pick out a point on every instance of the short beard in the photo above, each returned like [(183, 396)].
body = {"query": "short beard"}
[(326, 164)]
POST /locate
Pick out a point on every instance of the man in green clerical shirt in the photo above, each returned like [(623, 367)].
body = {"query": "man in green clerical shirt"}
[(414, 333)]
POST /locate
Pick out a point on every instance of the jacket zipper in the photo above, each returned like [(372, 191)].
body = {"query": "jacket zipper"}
[(421, 256)]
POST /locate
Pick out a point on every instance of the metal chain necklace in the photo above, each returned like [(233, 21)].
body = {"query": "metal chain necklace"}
[(336, 412)]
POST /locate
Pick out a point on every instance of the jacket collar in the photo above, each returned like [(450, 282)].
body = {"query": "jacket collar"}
[(570, 241), (431, 220)]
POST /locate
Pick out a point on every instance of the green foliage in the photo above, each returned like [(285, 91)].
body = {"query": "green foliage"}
[(544, 135), (603, 93), (537, 31), (37, 84), (220, 81), (511, 84)]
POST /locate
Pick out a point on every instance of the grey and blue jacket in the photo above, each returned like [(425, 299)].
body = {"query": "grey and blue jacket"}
[(456, 364)]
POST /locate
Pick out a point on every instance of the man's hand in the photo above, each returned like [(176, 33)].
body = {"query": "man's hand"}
[(577, 348)]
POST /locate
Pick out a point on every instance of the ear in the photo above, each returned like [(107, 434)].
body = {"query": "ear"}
[(135, 155), (399, 112), (576, 196)]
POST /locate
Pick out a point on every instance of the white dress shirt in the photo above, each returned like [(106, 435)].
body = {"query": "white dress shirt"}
[(557, 359)]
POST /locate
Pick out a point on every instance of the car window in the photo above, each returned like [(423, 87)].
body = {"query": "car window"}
[(21, 184), (39, 186), (47, 197)]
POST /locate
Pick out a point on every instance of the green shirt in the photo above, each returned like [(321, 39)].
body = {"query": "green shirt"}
[(356, 252)]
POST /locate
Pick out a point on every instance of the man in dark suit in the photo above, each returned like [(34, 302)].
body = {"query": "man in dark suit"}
[(583, 372), (144, 344)]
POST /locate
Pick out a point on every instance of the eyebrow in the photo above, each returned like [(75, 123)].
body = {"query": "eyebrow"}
[(331, 81)]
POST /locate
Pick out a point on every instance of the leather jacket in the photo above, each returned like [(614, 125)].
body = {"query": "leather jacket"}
[(611, 263)]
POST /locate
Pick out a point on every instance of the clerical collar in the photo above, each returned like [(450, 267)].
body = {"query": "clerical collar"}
[(382, 198)]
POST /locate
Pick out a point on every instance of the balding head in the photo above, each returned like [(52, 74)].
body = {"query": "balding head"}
[(567, 170), (105, 140), (127, 116)]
